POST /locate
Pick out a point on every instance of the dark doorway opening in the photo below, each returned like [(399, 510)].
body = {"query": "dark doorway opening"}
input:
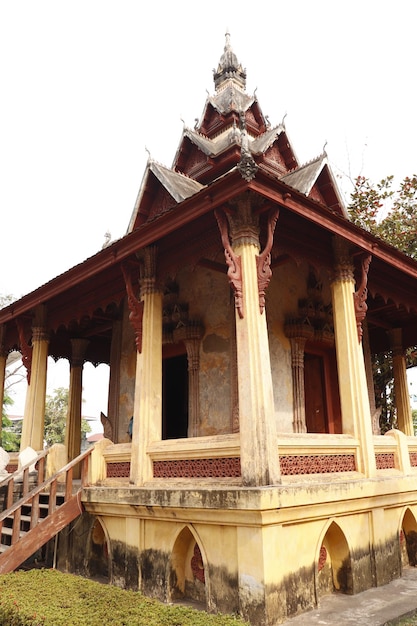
[(175, 397)]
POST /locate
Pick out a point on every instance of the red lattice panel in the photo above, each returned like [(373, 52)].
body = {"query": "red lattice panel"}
[(413, 459), (197, 566), (118, 470), (317, 464), (385, 460), (230, 467), (198, 468), (322, 558)]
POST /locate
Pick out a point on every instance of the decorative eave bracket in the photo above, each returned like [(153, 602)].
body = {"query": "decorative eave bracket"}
[(361, 294), (233, 261), (263, 261), (135, 306)]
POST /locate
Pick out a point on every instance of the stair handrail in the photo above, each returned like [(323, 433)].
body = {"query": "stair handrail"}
[(50, 482), (22, 473)]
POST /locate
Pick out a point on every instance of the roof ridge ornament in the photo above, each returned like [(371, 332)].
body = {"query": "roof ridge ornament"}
[(247, 165), (229, 68)]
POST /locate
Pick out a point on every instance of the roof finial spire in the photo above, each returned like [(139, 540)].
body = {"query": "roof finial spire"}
[(229, 68)]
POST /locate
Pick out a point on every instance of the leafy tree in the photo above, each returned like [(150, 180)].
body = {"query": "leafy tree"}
[(10, 432), (388, 213), (56, 408), (391, 215)]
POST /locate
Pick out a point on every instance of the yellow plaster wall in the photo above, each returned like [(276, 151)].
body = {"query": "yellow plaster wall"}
[(208, 295), (288, 285)]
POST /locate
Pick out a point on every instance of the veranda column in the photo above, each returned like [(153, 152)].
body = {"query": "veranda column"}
[(258, 434), (356, 415), (34, 417), (402, 397), (73, 427), (3, 360), (147, 411)]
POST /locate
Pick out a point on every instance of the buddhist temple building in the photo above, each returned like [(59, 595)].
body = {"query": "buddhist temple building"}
[(239, 316)]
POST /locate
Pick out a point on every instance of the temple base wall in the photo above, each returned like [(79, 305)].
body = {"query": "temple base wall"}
[(266, 554)]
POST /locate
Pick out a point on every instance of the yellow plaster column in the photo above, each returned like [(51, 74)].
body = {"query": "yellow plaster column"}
[(147, 411), (261, 571), (402, 397), (258, 432), (354, 400), (34, 417), (73, 426)]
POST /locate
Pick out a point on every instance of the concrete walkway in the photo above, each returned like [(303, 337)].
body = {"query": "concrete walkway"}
[(374, 607)]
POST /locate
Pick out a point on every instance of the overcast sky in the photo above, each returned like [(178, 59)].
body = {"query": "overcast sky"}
[(88, 85)]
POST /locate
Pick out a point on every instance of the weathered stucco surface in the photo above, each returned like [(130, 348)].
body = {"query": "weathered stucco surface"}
[(261, 549)]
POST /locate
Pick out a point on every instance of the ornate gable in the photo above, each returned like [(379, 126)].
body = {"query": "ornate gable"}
[(315, 180)]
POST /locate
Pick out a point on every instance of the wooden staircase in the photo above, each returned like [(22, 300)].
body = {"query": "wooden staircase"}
[(43, 509)]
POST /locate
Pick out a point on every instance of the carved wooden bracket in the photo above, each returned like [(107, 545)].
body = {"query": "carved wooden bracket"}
[(233, 261), (263, 261), (360, 295), (25, 348), (135, 307)]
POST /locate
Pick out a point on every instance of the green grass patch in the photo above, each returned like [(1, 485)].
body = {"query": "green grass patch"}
[(51, 598)]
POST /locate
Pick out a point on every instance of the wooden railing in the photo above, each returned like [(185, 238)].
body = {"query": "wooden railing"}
[(40, 529)]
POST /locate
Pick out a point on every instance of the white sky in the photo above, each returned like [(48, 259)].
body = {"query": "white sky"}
[(86, 85)]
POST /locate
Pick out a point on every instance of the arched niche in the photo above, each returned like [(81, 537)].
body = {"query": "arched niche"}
[(98, 554), (334, 568), (187, 575), (408, 539)]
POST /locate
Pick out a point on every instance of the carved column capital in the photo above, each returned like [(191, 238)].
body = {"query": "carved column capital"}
[(297, 351), (78, 349), (343, 269), (191, 336), (243, 222), (40, 333), (396, 341), (148, 271)]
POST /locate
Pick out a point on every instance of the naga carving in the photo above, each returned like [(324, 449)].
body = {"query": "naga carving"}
[(360, 295), (263, 261), (233, 262), (25, 349), (135, 308)]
